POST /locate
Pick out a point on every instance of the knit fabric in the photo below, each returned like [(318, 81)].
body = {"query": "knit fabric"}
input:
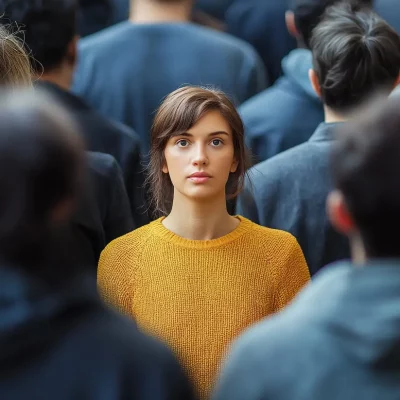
[(199, 295)]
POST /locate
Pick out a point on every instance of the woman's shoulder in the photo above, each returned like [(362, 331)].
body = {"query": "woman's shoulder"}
[(135, 239), (268, 234)]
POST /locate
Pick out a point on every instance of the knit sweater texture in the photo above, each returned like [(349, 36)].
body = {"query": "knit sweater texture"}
[(199, 295)]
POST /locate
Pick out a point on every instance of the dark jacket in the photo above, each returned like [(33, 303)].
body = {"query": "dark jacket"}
[(262, 24), (338, 340), (287, 113), (103, 213), (125, 71), (289, 192), (59, 342), (107, 136)]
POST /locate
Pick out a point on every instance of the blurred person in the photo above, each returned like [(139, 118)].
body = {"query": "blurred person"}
[(103, 212), (355, 54), (340, 337), (50, 33), (125, 71), (58, 340), (287, 113), (212, 274), (262, 24)]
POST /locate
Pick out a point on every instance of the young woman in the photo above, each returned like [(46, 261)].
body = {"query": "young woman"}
[(197, 276)]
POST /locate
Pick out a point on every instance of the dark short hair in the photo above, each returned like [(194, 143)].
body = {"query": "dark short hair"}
[(179, 112), (366, 168), (41, 160), (48, 26), (308, 13), (355, 54)]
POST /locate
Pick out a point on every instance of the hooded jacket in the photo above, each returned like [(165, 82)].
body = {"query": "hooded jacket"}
[(59, 342), (338, 340), (287, 113)]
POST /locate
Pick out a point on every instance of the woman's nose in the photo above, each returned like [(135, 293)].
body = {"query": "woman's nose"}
[(200, 156)]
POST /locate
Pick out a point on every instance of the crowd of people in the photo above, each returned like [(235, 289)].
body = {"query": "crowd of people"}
[(199, 199)]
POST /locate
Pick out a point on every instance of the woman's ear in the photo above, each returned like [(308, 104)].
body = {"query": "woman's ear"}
[(165, 168)]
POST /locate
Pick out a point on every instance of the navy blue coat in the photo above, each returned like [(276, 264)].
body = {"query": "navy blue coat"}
[(286, 114), (289, 192), (107, 136)]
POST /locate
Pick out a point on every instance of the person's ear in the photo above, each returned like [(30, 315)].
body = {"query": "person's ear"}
[(339, 214), (72, 51), (291, 24), (314, 82), (234, 165), (165, 168)]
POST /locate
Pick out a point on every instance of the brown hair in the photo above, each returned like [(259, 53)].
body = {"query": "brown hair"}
[(179, 112), (15, 67)]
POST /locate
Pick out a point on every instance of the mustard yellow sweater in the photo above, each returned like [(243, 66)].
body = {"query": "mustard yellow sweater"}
[(199, 295)]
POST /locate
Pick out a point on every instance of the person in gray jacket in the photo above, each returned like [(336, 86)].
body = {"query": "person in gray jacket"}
[(355, 53), (340, 338)]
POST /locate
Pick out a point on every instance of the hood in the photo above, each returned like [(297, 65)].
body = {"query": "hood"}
[(295, 68), (32, 315), (359, 308)]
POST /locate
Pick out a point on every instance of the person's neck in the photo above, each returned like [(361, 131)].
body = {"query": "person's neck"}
[(333, 116), (150, 12), (59, 78), (200, 220)]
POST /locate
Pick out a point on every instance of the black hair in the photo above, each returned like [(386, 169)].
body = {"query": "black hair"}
[(355, 54), (41, 162), (365, 166), (48, 26)]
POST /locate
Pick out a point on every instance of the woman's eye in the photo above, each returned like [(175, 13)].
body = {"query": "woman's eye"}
[(216, 142), (182, 143)]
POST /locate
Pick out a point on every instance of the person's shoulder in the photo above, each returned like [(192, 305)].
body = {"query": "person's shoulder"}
[(226, 41), (96, 42), (271, 240), (266, 234), (102, 165), (130, 242), (120, 339), (283, 165), (125, 131)]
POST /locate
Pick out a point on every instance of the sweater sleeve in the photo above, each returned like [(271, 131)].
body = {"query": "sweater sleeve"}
[(293, 277), (115, 276)]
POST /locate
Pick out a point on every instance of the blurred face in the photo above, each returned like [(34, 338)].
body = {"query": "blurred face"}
[(200, 160)]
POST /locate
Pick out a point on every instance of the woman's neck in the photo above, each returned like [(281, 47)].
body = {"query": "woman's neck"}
[(200, 220)]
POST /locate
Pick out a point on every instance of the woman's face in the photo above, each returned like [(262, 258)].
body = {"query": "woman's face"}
[(200, 160)]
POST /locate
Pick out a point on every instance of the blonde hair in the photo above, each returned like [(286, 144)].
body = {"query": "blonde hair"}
[(15, 66)]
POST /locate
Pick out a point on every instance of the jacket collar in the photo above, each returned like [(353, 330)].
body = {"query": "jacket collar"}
[(66, 98), (325, 132)]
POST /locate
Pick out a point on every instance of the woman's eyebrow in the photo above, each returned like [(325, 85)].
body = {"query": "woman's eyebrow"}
[(218, 133)]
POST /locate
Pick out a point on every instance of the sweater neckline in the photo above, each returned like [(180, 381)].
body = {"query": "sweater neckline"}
[(161, 231)]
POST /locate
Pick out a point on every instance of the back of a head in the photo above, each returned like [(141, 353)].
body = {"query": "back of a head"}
[(48, 28), (355, 54), (15, 69), (40, 170), (308, 14), (366, 169)]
